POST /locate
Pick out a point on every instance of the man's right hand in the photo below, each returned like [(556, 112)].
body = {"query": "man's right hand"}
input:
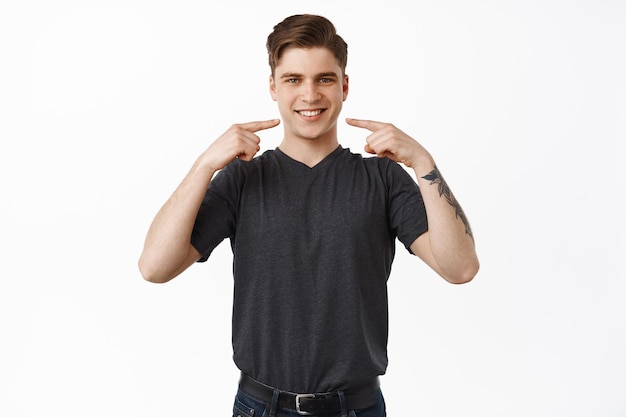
[(239, 141), (167, 250)]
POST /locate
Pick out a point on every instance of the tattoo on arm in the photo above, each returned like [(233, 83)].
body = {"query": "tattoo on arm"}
[(435, 177)]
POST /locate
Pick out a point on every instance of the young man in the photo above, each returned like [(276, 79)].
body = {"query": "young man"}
[(312, 228)]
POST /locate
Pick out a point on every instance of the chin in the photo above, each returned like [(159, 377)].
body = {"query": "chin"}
[(312, 136)]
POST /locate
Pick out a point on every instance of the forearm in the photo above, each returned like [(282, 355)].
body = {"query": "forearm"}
[(167, 242), (450, 235)]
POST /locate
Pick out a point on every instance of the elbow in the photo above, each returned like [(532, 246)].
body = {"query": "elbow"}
[(463, 275), (151, 274)]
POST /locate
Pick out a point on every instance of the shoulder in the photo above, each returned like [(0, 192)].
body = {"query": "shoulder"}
[(239, 168), (347, 156), (384, 166)]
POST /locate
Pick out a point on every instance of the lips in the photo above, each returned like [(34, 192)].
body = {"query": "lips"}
[(310, 113)]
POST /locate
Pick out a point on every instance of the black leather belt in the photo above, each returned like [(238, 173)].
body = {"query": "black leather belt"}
[(318, 403)]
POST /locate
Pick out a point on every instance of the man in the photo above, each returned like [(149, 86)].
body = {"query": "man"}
[(312, 228)]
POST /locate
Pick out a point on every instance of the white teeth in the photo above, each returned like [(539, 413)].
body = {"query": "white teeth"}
[(310, 113)]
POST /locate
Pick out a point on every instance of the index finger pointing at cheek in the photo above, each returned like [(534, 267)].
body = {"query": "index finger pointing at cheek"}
[(260, 125), (370, 125)]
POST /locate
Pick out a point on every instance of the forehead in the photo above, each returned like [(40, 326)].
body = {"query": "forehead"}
[(307, 60)]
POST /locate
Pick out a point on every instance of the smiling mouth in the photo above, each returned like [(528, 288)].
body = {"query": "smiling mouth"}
[(310, 113)]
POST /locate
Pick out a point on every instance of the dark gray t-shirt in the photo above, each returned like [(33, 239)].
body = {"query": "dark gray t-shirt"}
[(312, 252)]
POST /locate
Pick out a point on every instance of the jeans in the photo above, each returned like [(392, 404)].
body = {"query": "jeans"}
[(249, 406)]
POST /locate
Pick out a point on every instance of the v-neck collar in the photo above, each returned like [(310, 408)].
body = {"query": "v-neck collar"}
[(300, 165)]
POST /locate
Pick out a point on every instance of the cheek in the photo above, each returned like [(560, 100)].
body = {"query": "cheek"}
[(283, 108), (284, 99)]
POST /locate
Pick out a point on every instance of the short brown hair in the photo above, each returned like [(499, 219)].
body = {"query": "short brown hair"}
[(306, 31)]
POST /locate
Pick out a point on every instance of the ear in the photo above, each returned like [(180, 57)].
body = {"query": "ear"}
[(345, 87), (273, 88)]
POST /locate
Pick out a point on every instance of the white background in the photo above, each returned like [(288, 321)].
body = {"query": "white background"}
[(105, 105)]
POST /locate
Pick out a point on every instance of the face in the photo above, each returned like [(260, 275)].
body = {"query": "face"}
[(310, 89)]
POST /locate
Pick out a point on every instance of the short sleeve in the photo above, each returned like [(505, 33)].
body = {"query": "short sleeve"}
[(407, 214), (217, 215)]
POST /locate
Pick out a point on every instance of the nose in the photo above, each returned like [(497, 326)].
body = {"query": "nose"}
[(310, 92)]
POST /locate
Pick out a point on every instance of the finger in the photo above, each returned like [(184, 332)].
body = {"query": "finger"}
[(260, 125), (249, 137), (248, 149), (249, 141), (370, 125)]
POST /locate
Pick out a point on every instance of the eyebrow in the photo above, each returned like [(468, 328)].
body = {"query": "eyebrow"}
[(320, 75)]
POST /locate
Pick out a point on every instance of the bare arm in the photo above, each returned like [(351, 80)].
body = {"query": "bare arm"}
[(448, 246), (167, 249)]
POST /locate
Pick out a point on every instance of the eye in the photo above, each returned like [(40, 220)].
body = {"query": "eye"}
[(291, 80), (326, 80)]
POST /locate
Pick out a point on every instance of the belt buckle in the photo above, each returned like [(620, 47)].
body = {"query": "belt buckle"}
[(298, 396)]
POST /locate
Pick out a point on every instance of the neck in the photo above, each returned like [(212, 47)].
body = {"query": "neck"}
[(309, 152)]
